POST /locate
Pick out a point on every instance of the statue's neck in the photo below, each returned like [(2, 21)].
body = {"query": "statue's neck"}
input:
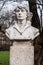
[(21, 23)]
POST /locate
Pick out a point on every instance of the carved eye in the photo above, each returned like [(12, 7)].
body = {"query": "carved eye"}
[(22, 10), (17, 10)]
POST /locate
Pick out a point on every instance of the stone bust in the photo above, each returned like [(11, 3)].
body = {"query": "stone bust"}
[(22, 28)]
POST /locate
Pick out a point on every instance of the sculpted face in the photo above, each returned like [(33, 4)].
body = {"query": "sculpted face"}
[(21, 13)]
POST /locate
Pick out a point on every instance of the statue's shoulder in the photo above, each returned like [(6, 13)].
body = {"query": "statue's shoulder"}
[(35, 32), (9, 29), (34, 29)]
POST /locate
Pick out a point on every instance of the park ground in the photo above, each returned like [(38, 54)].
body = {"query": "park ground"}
[(4, 57)]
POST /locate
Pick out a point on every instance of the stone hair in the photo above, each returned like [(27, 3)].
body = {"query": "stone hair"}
[(29, 14)]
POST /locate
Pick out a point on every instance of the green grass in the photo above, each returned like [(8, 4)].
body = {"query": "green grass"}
[(4, 57)]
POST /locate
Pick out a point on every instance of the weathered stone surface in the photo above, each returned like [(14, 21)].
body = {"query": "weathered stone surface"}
[(22, 53)]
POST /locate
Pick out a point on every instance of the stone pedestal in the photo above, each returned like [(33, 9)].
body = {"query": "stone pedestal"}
[(22, 53)]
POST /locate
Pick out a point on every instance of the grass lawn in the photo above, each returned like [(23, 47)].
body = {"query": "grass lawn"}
[(4, 57)]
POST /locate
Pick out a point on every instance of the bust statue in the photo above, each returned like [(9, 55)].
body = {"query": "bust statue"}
[(21, 28)]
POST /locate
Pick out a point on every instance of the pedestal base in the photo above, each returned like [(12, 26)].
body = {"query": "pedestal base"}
[(22, 53)]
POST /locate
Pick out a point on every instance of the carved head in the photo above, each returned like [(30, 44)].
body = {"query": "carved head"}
[(21, 12)]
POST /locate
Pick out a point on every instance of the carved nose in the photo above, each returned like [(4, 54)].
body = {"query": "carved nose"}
[(19, 13)]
